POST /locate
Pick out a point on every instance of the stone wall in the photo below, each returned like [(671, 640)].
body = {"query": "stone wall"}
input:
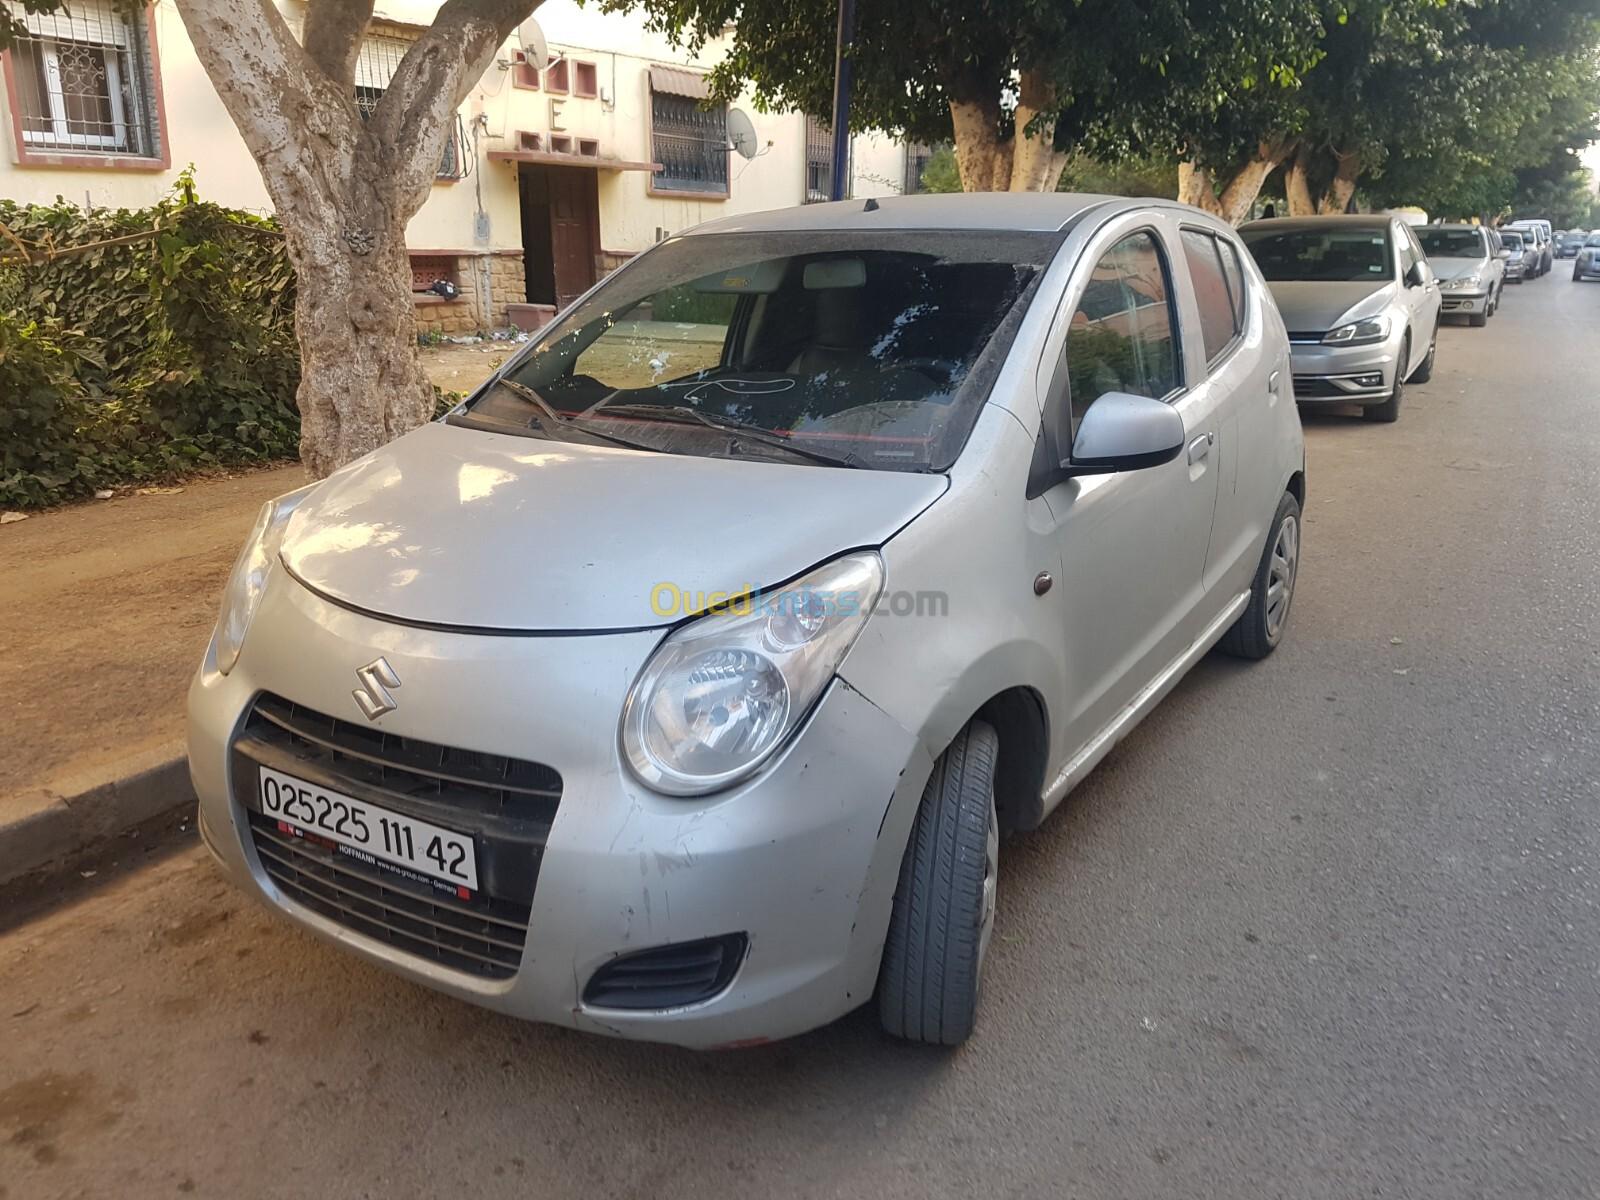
[(472, 311)]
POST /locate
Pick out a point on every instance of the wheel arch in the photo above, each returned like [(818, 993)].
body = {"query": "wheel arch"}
[(1018, 716)]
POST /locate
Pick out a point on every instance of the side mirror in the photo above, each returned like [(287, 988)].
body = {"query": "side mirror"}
[(1502, 254), (1414, 276), (1123, 432)]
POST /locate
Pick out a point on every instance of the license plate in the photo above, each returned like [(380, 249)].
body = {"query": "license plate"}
[(368, 831)]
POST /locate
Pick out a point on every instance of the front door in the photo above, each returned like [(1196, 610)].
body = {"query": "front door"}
[(560, 232), (1133, 545)]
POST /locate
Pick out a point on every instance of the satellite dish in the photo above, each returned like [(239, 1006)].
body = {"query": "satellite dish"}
[(534, 47), (741, 133)]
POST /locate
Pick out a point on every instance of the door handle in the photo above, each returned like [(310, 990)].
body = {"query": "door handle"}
[(1272, 381), (1200, 447)]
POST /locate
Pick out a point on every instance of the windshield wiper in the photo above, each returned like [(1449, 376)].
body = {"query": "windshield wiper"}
[(683, 413), (553, 418)]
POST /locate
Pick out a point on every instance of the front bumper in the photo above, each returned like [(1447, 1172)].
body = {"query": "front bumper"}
[(1589, 269), (1344, 374), (1464, 302), (803, 859)]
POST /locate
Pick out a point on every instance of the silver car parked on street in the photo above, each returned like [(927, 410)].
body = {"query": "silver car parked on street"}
[(680, 683), (1360, 302), (1469, 269), (1587, 263)]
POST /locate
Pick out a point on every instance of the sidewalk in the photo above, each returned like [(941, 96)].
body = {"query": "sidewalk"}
[(106, 608)]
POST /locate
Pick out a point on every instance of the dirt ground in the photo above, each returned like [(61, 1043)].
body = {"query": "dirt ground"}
[(106, 607), (462, 368)]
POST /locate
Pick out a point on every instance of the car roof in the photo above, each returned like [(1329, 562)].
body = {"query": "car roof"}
[(1007, 211), (1454, 227), (1345, 220)]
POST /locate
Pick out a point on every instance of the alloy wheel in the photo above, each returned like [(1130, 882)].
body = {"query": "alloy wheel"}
[(991, 881), (1281, 575)]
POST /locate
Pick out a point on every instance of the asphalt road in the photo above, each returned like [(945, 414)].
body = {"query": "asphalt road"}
[(1323, 927)]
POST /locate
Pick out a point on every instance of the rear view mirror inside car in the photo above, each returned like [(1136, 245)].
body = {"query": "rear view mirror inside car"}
[(829, 273)]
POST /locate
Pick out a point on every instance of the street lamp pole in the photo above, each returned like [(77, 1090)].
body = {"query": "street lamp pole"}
[(843, 71)]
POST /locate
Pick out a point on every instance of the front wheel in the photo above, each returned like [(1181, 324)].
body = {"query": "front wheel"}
[(1389, 410), (944, 904), (1259, 628), (1424, 371)]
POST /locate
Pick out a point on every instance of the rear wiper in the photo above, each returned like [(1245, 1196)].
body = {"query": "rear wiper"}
[(553, 418), (740, 429)]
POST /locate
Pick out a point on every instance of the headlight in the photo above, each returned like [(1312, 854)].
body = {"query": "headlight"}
[(721, 694), (1466, 281), (1373, 329), (249, 577)]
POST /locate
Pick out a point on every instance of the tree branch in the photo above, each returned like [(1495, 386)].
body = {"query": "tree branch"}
[(333, 33), (412, 120), (288, 112)]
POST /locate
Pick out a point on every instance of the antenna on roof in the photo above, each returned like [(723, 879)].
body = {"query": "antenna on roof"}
[(871, 205)]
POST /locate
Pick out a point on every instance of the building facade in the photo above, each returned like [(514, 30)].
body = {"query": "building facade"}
[(552, 177)]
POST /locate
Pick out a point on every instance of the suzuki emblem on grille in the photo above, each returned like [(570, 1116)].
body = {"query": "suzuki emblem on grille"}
[(377, 677)]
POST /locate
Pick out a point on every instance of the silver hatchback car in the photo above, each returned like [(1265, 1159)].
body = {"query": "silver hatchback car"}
[(1361, 303), (680, 683)]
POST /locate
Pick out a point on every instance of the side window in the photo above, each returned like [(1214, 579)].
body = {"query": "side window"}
[(1122, 336), (1408, 256), (1232, 268), (1218, 320)]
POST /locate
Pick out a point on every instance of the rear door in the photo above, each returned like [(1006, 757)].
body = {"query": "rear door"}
[(1245, 384)]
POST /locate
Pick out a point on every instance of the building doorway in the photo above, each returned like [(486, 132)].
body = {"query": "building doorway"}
[(560, 231)]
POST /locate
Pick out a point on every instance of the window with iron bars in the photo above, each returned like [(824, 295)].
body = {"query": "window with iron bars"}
[(690, 143), (376, 64), (84, 81), (917, 156), (819, 162)]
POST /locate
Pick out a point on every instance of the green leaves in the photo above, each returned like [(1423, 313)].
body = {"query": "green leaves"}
[(142, 359)]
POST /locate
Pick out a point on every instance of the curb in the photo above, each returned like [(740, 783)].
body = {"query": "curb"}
[(75, 812)]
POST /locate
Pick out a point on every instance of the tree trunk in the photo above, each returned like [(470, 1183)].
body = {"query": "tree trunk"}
[(977, 138), (344, 189), (1195, 187), (361, 383), (1027, 161), (1337, 198), (1033, 143), (1297, 186), (1240, 195)]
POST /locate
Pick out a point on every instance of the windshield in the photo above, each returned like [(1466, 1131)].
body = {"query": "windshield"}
[(848, 348), (1451, 243), (1593, 240), (1323, 255), (1512, 241)]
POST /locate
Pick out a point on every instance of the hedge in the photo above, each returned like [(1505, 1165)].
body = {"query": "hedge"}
[(140, 344)]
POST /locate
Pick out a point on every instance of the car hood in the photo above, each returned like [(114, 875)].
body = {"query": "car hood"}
[(1316, 307), (1457, 268), (459, 527)]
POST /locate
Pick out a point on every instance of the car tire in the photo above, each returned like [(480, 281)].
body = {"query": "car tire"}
[(944, 904), (1260, 627), (1424, 371)]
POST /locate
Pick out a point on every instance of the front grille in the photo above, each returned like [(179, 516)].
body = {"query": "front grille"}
[(362, 754), (484, 938), (1304, 336), (667, 976), (505, 804)]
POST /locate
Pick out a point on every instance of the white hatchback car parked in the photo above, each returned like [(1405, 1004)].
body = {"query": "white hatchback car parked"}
[(680, 683)]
